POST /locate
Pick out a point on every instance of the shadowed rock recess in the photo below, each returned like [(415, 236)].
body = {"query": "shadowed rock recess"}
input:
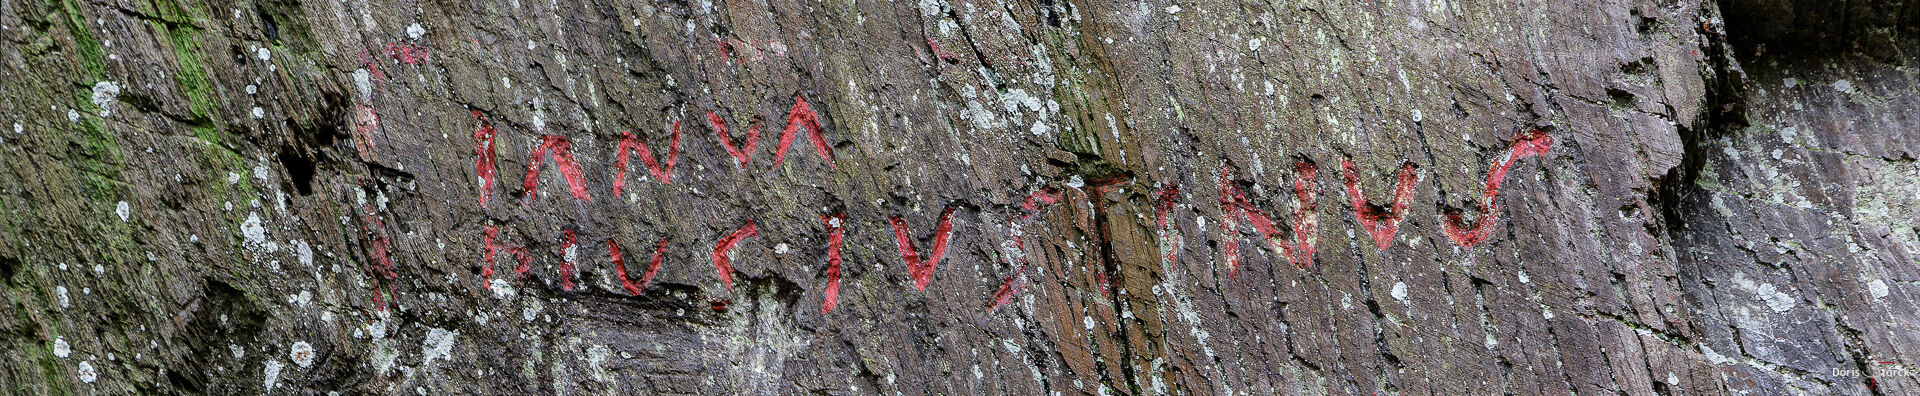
[(959, 197)]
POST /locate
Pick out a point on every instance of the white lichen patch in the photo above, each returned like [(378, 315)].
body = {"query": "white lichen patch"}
[(60, 296), (415, 31), (501, 289), (1843, 86), (261, 172), (1767, 293), (532, 310), (254, 231), (377, 329), (273, 373), (303, 299), (86, 373), (384, 356), (123, 210), (60, 347), (438, 344), (105, 94), (1775, 299), (302, 354), (303, 251), (363, 82), (1400, 291), (1878, 288), (596, 360)]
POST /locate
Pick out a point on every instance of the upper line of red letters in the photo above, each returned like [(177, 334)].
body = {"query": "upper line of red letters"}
[(1380, 219)]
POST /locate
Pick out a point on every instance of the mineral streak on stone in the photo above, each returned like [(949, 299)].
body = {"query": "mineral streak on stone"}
[(1580, 197)]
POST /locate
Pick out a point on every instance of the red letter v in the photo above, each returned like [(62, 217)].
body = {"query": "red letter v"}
[(742, 153), (1379, 222), (921, 267)]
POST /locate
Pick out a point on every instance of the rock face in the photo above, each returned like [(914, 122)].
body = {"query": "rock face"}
[(955, 197)]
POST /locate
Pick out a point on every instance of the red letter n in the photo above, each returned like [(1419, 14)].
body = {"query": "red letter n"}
[(1235, 206), (557, 147), (632, 145)]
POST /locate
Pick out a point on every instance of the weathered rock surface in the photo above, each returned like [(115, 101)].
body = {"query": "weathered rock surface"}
[(310, 197)]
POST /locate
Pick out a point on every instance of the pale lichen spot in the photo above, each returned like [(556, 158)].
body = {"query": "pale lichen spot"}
[(501, 289), (105, 93), (438, 344), (363, 82), (273, 373), (302, 354), (304, 251), (86, 373), (254, 230)]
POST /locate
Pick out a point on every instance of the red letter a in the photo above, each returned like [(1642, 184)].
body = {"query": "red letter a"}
[(803, 115)]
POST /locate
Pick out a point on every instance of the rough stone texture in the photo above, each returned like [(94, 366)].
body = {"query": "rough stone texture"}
[(203, 198)]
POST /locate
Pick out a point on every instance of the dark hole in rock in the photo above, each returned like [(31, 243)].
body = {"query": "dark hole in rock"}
[(300, 168)]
